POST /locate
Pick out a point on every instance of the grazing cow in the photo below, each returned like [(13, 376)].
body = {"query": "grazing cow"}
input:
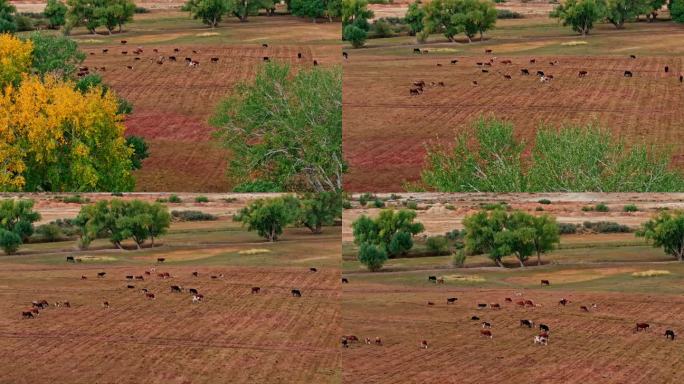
[(545, 282), (188, 59), (486, 333), (474, 318), (507, 77), (667, 69), (540, 73), (105, 304), (488, 51), (196, 274), (266, 58), (641, 326), (129, 277), (150, 296), (299, 55), (129, 66), (506, 62), (451, 300), (345, 55), (520, 303), (628, 74), (255, 290), (160, 275), (124, 52), (345, 280), (148, 273), (669, 334), (166, 274), (487, 64), (529, 303), (105, 50), (101, 274), (481, 305), (632, 56), (352, 338), (563, 302), (540, 340), (486, 324), (176, 50), (584, 308), (296, 293), (70, 259), (368, 340), (195, 51), (416, 50), (419, 83), (313, 270), (35, 311), (440, 84), (155, 50), (424, 344), (345, 343), (378, 340), (161, 259), (124, 41), (527, 323), (543, 327), (139, 277), (176, 288), (144, 290), (439, 65), (432, 278), (485, 71), (160, 61), (508, 300), (214, 277), (524, 72), (681, 78), (315, 63), (172, 58), (495, 306), (430, 303), (479, 63), (27, 315), (130, 286), (214, 59), (197, 298), (582, 74), (264, 45), (454, 61), (532, 61), (474, 82), (83, 277), (193, 291)]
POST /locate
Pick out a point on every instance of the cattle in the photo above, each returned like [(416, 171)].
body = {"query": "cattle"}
[(540, 73), (345, 55), (424, 344), (214, 277), (255, 290), (176, 50), (474, 82), (129, 277), (124, 52), (532, 61), (563, 302), (527, 323), (495, 306), (144, 290), (101, 274), (40, 304), (628, 74), (70, 259), (454, 61), (176, 288), (92, 53), (520, 303), (529, 303), (507, 77), (345, 280), (540, 340), (155, 50), (451, 300), (160, 61), (681, 78), (161, 259), (545, 282), (432, 278), (524, 72), (416, 50), (315, 63), (430, 303), (83, 277), (345, 343), (508, 300), (166, 274), (582, 74), (130, 286), (486, 333), (129, 66), (105, 50), (352, 338), (105, 304), (506, 62), (148, 273), (584, 308), (35, 311), (124, 41), (419, 83), (214, 59), (641, 326), (487, 64), (266, 58), (543, 327), (197, 298), (296, 293), (160, 275), (667, 69), (313, 270), (27, 315), (485, 71), (150, 296), (479, 63), (368, 340), (632, 56), (139, 277), (488, 51), (378, 340), (486, 324), (474, 318), (299, 55), (264, 45), (188, 59), (172, 58), (195, 51), (669, 334), (481, 305), (439, 65)]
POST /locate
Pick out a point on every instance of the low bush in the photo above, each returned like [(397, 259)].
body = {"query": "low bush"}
[(600, 207), (630, 208), (378, 203), (193, 216), (508, 14), (606, 227), (437, 245), (75, 199), (175, 199), (567, 228), (201, 199), (544, 201), (458, 258), (50, 232)]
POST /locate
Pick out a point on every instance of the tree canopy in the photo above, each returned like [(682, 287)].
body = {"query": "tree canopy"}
[(16, 223), (320, 209), (580, 15), (452, 17), (666, 230), (93, 14), (8, 23), (268, 217), (355, 26)]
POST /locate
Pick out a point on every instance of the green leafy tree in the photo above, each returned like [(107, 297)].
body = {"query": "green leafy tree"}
[(211, 12), (541, 232), (355, 26), (84, 13), (654, 7), (414, 17), (286, 128), (392, 230), (18, 216), (319, 209), (311, 9), (452, 17), (115, 13), (140, 150), (8, 22), (55, 55), (55, 11), (269, 216), (243, 8), (677, 10), (666, 230), (620, 11), (580, 14), (355, 35), (372, 256), (481, 229), (9, 241)]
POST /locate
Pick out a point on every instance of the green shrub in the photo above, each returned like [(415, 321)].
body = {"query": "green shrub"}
[(600, 207), (365, 198), (346, 204), (50, 232), (372, 256), (450, 207), (141, 10), (539, 209), (411, 204), (378, 203), (454, 234), (9, 241), (24, 23), (437, 245), (381, 28), (175, 199), (507, 14), (257, 186), (494, 206), (394, 196), (193, 216), (567, 228), (544, 201), (75, 199), (458, 258), (119, 194), (630, 208), (201, 199), (606, 227)]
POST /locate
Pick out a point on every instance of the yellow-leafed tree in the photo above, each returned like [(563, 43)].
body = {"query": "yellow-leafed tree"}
[(15, 59)]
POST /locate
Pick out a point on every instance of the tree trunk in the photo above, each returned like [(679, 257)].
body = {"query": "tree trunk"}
[(152, 238), (499, 263), (538, 258), (522, 265)]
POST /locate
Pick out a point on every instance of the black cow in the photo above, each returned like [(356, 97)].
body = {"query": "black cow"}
[(628, 74), (27, 315), (474, 318), (264, 45), (256, 290), (172, 58), (681, 78), (667, 69), (545, 282), (214, 59), (129, 277), (296, 293), (299, 55), (105, 50), (345, 55), (432, 278), (315, 63), (669, 334), (486, 324), (345, 280), (544, 327), (130, 286), (451, 300), (266, 58), (176, 288), (313, 269), (540, 73), (101, 274), (582, 74), (416, 50), (524, 72), (70, 259), (161, 259), (139, 277), (632, 56), (482, 305), (454, 61), (196, 274), (193, 291), (527, 323)]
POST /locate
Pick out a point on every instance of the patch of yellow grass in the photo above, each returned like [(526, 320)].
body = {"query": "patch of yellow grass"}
[(465, 278), (207, 34), (90, 41), (254, 251), (573, 43), (651, 273), (444, 50), (95, 258)]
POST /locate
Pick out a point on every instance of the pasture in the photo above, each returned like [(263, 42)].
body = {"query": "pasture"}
[(403, 307), (172, 101), (230, 335), (386, 127)]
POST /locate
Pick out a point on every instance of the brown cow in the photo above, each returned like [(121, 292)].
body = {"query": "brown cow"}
[(545, 282), (486, 333), (150, 296), (27, 315), (105, 304), (641, 326), (424, 344), (495, 306), (255, 290)]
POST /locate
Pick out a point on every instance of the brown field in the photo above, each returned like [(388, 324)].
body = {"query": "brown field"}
[(386, 129), (233, 336)]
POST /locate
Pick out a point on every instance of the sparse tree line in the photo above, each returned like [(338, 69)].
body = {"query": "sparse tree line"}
[(496, 232), (60, 131), (581, 15), (586, 158)]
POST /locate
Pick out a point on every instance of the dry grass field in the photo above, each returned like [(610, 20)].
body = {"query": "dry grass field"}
[(232, 336)]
